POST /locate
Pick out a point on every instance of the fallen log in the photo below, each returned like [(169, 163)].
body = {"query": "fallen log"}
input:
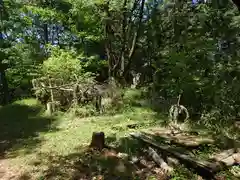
[(221, 161), (182, 139), (157, 159), (225, 154), (237, 158), (231, 160), (204, 168)]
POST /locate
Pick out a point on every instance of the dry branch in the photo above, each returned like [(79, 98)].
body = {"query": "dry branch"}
[(177, 110), (55, 87)]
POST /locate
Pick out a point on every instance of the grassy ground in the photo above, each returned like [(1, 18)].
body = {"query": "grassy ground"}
[(31, 138), (36, 146)]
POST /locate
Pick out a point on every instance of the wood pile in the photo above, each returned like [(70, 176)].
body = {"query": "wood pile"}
[(167, 155)]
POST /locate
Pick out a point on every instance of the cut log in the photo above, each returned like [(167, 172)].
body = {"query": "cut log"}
[(204, 168), (236, 157), (98, 140), (225, 154), (157, 159), (232, 160)]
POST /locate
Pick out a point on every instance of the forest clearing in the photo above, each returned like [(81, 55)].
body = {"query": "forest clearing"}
[(57, 147), (119, 89)]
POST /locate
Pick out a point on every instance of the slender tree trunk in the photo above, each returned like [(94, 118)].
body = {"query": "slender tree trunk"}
[(5, 87), (135, 39), (2, 66), (124, 42), (45, 29)]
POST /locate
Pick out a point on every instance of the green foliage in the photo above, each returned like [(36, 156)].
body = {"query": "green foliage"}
[(180, 48), (83, 111), (22, 66), (132, 97), (202, 62), (65, 65), (177, 48), (183, 173)]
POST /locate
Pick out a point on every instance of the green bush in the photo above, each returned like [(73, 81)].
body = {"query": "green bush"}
[(65, 65), (83, 111)]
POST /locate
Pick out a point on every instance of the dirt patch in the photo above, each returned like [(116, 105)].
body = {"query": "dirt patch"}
[(8, 172)]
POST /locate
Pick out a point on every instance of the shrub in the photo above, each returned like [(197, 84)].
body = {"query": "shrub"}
[(66, 65), (83, 111)]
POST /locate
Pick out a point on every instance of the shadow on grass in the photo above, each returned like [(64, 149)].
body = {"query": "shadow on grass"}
[(87, 164), (20, 125), (90, 164)]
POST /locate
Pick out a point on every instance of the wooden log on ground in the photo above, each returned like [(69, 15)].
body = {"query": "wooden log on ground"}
[(225, 154), (157, 159), (204, 168), (98, 140), (183, 139), (231, 160), (236, 157)]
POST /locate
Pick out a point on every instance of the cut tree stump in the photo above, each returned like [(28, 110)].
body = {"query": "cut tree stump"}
[(98, 140)]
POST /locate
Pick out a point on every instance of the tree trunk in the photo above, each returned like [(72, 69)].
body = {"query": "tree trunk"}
[(98, 140), (45, 29), (5, 87)]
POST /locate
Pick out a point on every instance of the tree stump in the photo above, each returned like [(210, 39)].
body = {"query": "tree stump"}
[(98, 140)]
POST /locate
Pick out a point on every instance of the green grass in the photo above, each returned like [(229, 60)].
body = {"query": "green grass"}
[(44, 147), (64, 135), (20, 122)]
